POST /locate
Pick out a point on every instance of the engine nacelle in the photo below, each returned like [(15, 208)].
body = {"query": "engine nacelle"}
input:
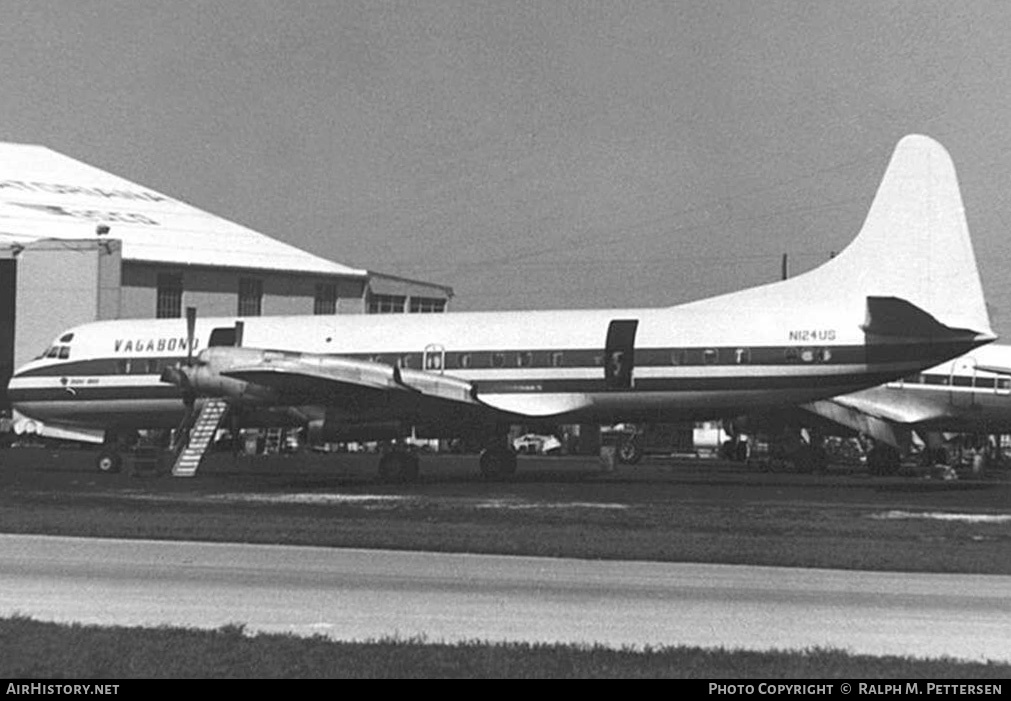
[(207, 381), (204, 377)]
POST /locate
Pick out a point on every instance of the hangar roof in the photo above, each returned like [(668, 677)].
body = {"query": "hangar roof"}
[(47, 195)]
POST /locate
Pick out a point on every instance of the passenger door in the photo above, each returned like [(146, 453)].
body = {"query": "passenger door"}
[(434, 359), (619, 353)]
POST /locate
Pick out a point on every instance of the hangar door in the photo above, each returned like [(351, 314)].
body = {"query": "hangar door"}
[(8, 290)]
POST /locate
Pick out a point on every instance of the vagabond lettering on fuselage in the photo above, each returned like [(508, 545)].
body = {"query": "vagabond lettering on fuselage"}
[(152, 345)]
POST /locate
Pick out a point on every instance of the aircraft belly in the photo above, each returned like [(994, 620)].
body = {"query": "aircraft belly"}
[(638, 405), (136, 413)]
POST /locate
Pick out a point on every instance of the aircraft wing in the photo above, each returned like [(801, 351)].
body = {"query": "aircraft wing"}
[(995, 369), (881, 412), (877, 403), (367, 388)]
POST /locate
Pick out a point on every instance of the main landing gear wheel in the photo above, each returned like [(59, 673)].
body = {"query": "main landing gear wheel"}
[(109, 461), (884, 460), (399, 466), (497, 462), (629, 451)]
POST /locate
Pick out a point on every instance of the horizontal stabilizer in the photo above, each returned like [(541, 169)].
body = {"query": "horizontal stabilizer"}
[(891, 316)]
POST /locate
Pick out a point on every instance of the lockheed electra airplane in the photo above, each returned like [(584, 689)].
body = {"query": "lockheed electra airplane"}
[(968, 394), (857, 321)]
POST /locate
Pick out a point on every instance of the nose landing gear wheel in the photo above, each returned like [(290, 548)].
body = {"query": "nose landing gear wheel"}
[(109, 461)]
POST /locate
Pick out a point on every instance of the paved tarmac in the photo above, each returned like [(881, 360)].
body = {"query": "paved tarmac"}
[(362, 594)]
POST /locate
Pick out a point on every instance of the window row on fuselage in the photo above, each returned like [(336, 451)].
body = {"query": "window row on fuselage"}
[(999, 382), (154, 366), (436, 359)]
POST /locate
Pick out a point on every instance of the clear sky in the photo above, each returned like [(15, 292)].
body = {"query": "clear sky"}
[(530, 154)]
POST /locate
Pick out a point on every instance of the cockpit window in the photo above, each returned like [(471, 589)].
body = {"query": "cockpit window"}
[(56, 352), (67, 337), (224, 336)]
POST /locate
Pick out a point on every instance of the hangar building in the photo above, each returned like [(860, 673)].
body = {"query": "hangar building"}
[(79, 244)]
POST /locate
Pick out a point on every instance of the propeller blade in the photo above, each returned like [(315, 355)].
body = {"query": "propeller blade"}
[(240, 326), (191, 326)]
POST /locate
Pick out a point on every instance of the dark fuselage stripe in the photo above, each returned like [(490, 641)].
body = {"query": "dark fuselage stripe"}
[(546, 384), (773, 356)]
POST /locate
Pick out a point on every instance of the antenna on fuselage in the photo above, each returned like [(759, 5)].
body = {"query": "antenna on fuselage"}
[(240, 326)]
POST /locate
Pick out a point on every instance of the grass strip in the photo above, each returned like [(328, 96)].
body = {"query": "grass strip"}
[(35, 649)]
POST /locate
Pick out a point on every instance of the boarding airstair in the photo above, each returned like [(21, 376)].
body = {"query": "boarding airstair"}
[(274, 441), (201, 433)]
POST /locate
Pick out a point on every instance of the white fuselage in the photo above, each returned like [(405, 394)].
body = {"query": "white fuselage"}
[(548, 364), (969, 394)]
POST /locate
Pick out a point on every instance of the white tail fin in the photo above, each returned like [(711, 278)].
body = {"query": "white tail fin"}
[(915, 242), (914, 246)]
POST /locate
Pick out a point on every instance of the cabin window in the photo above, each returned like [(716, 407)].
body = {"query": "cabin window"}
[(1004, 383), (556, 359), (465, 360), (169, 300), (824, 355), (64, 352), (677, 357), (525, 359), (710, 356), (67, 338), (433, 361), (152, 366), (742, 356), (250, 296), (404, 361), (498, 360), (123, 366), (325, 301), (792, 355)]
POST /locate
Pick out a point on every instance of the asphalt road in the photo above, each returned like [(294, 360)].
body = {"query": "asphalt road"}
[(361, 594)]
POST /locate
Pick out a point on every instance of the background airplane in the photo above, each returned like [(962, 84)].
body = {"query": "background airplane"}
[(856, 321), (969, 394)]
